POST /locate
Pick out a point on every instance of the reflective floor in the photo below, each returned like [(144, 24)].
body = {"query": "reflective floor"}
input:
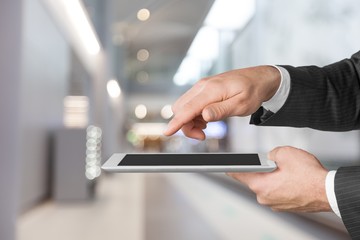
[(163, 207)]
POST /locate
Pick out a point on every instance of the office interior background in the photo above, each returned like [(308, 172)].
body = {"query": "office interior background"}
[(80, 80)]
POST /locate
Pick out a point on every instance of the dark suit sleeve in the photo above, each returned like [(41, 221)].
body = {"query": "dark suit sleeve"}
[(328, 99), (347, 191)]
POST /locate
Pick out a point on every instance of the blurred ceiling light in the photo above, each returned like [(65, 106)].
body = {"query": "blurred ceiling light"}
[(166, 112), (143, 14), (149, 129), (140, 111), (143, 55), (76, 111), (113, 88), (142, 77), (71, 102), (230, 14), (80, 20)]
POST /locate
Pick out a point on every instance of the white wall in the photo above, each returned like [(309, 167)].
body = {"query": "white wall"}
[(45, 70), (298, 32)]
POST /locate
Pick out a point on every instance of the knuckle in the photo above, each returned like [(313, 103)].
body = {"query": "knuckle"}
[(281, 152), (213, 84), (174, 108), (246, 108), (220, 111), (254, 187), (245, 95), (274, 209), (276, 149), (189, 109), (187, 132), (187, 105), (286, 149), (177, 119), (289, 149), (203, 82), (261, 200)]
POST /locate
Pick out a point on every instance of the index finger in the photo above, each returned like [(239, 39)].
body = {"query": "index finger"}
[(189, 111)]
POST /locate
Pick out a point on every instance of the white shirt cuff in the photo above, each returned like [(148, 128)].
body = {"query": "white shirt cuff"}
[(330, 192), (279, 99)]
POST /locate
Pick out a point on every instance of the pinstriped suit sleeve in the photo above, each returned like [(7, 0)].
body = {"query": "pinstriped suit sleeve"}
[(347, 189), (327, 99)]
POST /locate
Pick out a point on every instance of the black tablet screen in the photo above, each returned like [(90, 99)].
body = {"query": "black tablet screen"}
[(189, 159)]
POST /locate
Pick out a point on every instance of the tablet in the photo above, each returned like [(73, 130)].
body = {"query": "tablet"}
[(200, 162)]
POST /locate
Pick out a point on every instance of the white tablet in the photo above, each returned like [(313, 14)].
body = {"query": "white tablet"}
[(200, 162)]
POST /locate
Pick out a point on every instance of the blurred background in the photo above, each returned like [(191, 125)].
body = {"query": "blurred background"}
[(80, 80)]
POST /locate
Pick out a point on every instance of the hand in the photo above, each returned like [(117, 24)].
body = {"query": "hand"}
[(234, 93), (298, 184)]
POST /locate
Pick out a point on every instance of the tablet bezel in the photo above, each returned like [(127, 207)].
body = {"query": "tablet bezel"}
[(111, 165)]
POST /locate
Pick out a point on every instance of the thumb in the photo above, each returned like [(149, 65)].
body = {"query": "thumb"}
[(272, 155), (216, 111)]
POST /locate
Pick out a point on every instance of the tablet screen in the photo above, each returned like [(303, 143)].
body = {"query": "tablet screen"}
[(189, 159)]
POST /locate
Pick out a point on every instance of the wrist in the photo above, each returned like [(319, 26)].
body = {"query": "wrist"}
[(322, 197), (277, 101), (273, 79), (266, 78)]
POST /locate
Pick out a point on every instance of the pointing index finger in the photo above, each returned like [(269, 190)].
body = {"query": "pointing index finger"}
[(179, 120), (189, 111)]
